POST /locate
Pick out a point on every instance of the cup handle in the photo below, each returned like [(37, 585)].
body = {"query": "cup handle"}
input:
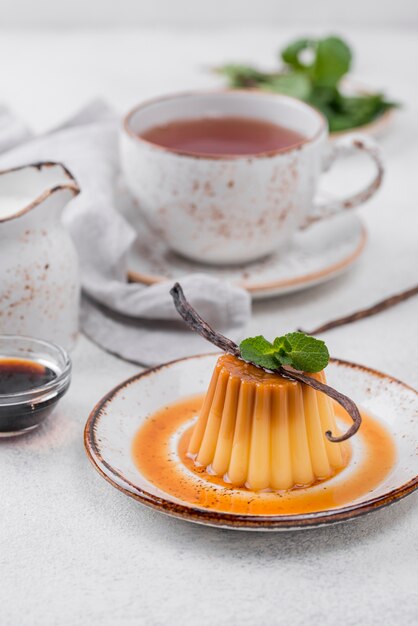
[(342, 147)]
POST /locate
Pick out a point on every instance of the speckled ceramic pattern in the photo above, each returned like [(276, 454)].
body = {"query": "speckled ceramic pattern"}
[(236, 208), (315, 255), (114, 421), (228, 208), (39, 280)]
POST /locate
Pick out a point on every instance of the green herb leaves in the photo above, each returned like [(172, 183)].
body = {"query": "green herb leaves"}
[(292, 53), (313, 69), (259, 351), (296, 85), (330, 59), (302, 352), (242, 75)]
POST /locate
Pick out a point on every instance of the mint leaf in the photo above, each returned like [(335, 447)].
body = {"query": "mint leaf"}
[(301, 351), (291, 54), (282, 345), (283, 359), (312, 71), (307, 353), (332, 61), (294, 84), (259, 351), (243, 75)]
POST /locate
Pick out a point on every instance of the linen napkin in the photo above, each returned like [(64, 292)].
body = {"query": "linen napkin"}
[(133, 321)]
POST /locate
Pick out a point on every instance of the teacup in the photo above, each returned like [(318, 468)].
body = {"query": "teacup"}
[(227, 209)]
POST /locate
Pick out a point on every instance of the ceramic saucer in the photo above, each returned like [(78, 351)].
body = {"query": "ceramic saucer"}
[(317, 254), (115, 420)]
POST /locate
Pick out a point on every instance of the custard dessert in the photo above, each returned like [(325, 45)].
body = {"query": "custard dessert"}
[(263, 431)]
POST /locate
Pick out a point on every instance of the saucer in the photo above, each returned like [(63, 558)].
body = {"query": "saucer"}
[(315, 255), (114, 422)]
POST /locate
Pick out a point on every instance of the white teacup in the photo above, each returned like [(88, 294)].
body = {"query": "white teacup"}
[(234, 209)]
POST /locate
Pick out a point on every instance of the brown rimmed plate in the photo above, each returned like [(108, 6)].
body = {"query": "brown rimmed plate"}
[(114, 421)]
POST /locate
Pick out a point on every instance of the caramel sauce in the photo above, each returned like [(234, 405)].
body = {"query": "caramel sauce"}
[(160, 452)]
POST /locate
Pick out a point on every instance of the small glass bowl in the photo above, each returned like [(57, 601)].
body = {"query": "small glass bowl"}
[(23, 411)]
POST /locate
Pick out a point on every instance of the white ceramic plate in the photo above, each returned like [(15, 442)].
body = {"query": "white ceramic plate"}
[(116, 418), (317, 254)]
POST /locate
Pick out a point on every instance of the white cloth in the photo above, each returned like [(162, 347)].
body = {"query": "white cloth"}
[(136, 322)]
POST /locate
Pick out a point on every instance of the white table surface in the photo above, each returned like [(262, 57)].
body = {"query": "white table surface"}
[(76, 551)]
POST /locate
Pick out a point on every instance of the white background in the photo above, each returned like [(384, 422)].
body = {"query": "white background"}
[(304, 13), (75, 551)]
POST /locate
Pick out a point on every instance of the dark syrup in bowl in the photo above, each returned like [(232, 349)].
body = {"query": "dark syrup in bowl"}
[(31, 384), (22, 375)]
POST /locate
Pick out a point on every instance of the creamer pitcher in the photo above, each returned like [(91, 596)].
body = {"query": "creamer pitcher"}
[(39, 283)]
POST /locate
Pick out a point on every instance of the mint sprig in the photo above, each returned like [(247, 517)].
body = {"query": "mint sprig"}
[(283, 347), (298, 350), (316, 81)]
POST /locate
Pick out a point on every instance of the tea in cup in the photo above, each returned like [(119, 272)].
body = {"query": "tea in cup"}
[(228, 177)]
